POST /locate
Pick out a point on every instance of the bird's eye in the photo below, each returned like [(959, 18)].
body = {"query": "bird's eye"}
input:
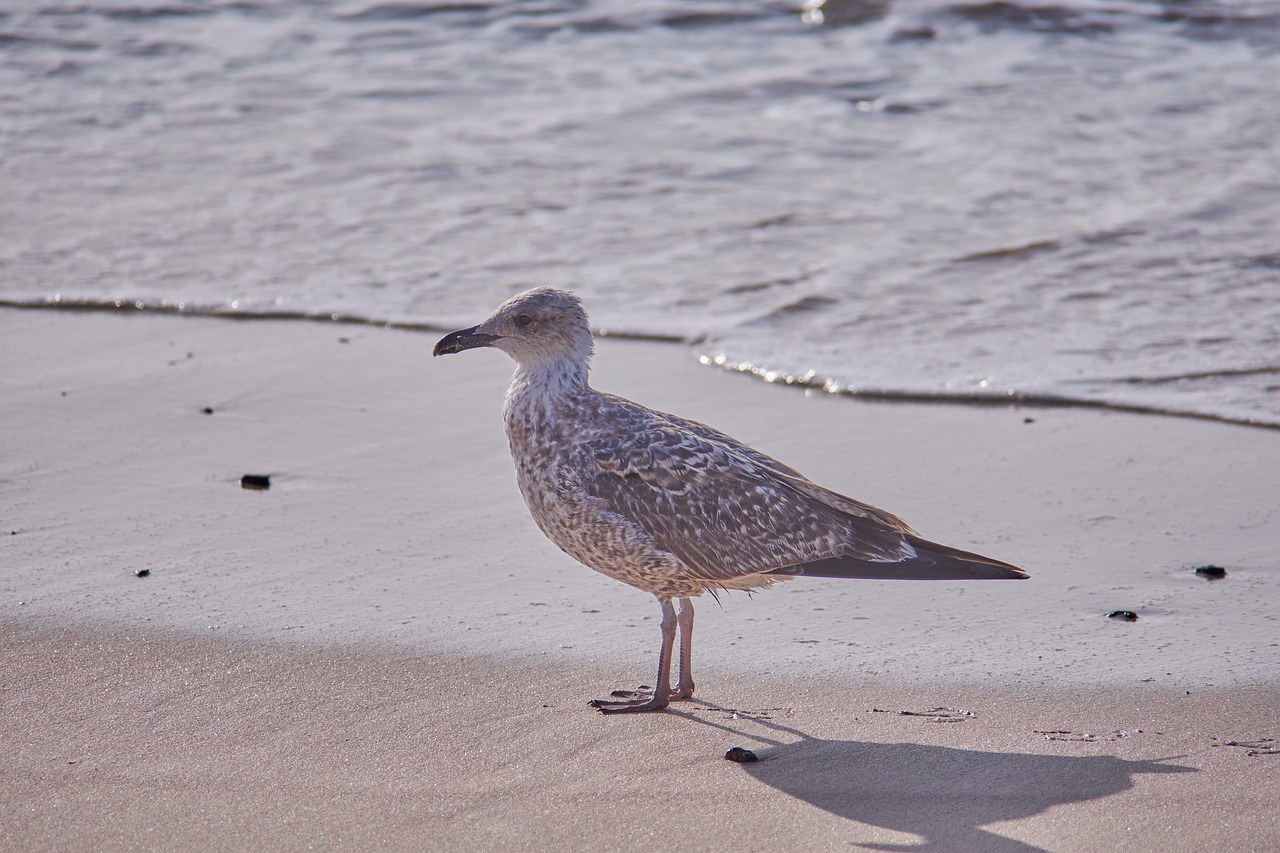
[(523, 319)]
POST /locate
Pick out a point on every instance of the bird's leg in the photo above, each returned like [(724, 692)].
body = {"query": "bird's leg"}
[(661, 697), (684, 689)]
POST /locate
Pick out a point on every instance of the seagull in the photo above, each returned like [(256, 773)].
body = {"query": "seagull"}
[(672, 506)]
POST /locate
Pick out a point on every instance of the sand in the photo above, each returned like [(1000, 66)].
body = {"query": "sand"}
[(381, 651)]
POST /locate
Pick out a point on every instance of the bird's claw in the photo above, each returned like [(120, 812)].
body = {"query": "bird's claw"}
[(637, 701), (637, 706)]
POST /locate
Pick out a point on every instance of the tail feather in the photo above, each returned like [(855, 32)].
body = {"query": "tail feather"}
[(931, 562)]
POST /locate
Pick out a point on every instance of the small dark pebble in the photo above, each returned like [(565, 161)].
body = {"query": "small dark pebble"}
[(142, 573), (208, 410), (259, 482), (740, 755), (1028, 420), (1124, 615), (344, 340), (1213, 573)]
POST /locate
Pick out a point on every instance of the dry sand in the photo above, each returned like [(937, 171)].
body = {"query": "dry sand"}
[(381, 651)]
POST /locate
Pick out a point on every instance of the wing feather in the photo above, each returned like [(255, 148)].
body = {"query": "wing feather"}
[(726, 510)]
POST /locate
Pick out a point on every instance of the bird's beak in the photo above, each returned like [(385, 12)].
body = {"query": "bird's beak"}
[(463, 339)]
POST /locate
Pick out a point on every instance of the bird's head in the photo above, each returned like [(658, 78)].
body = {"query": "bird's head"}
[(533, 327)]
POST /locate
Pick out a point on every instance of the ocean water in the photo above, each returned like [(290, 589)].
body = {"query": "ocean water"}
[(1076, 201)]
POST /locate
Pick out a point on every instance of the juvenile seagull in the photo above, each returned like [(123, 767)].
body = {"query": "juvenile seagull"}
[(671, 506)]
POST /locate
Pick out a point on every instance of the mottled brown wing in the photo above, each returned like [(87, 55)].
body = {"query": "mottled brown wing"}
[(720, 511), (647, 417)]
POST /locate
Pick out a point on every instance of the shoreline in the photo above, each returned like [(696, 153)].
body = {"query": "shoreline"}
[(381, 648), (806, 383)]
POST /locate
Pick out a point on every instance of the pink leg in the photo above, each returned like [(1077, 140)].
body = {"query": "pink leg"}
[(661, 697), (684, 689)]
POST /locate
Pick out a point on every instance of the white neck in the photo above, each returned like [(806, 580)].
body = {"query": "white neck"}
[(543, 383)]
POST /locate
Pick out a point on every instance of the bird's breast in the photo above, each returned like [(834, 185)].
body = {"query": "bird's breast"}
[(539, 444)]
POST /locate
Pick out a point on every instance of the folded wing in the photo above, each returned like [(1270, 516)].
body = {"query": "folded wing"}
[(728, 511)]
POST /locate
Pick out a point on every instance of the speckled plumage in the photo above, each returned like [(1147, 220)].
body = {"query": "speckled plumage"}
[(671, 506)]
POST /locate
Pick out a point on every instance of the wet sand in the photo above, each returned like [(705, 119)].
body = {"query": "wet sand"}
[(380, 651)]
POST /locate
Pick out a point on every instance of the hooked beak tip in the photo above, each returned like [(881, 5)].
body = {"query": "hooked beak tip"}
[(462, 339)]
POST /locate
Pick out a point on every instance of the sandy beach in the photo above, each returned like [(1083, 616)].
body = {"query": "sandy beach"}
[(381, 651)]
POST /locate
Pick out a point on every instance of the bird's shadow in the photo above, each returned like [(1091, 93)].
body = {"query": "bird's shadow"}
[(940, 794)]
